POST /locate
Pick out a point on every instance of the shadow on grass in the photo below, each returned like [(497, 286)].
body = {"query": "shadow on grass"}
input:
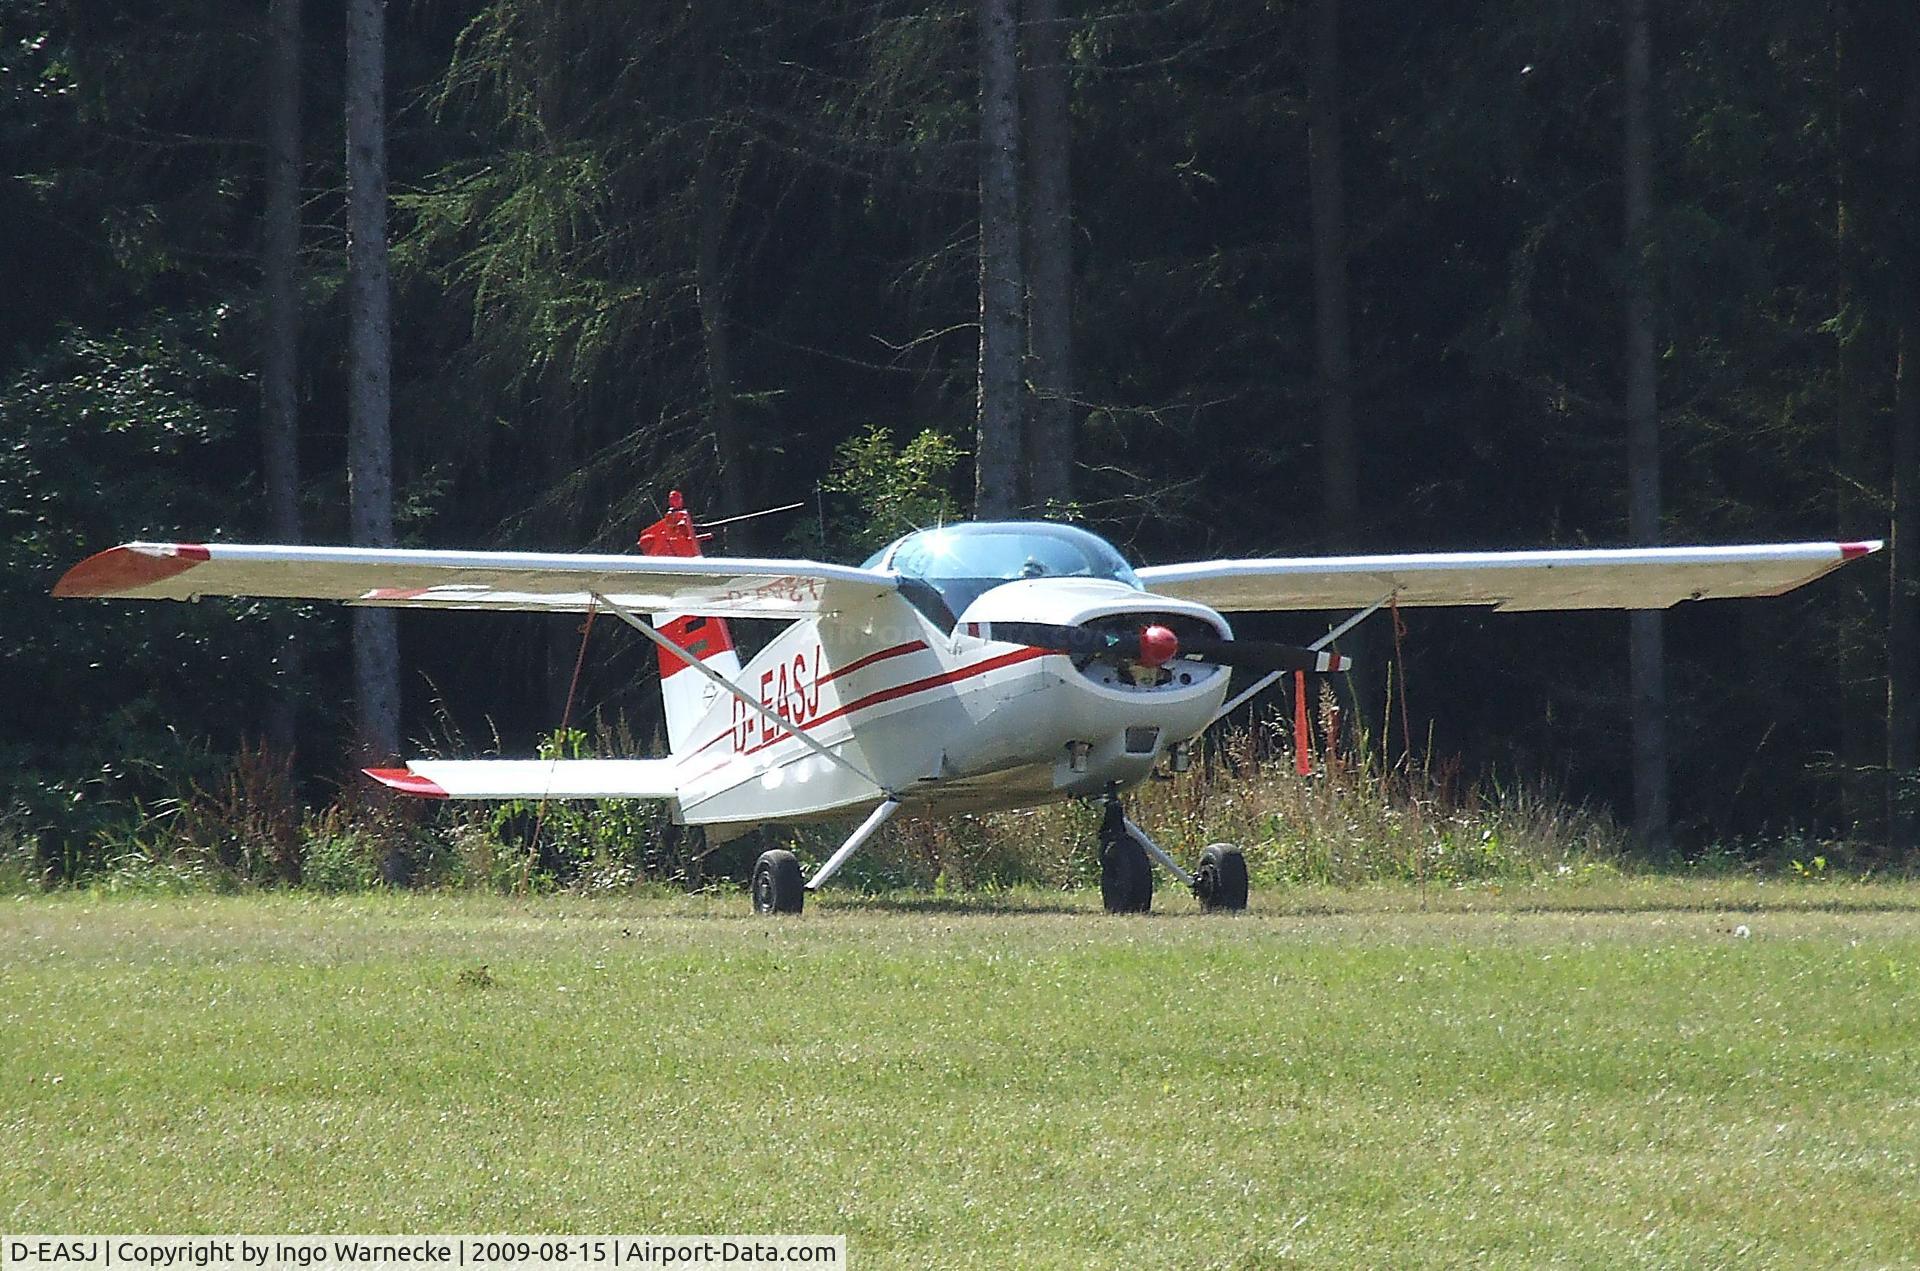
[(966, 904), (1284, 902)]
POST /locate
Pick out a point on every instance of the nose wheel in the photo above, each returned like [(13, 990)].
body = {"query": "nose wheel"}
[(1126, 876)]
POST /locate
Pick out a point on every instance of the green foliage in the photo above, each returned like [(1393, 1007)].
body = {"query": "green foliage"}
[(1348, 825), (21, 872), (110, 437), (339, 855), (887, 490), (594, 198), (1812, 870), (598, 845), (144, 872)]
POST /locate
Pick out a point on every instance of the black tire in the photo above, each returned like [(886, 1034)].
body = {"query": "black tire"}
[(1126, 876), (777, 885), (1220, 884)]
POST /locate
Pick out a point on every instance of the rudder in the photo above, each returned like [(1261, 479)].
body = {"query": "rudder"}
[(686, 694)]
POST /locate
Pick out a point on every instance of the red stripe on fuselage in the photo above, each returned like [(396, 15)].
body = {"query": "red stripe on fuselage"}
[(860, 664), (898, 650), (881, 696)]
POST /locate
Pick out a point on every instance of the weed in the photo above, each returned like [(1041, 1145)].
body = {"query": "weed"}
[(476, 977), (21, 871), (247, 821), (559, 842), (1352, 821), (340, 854)]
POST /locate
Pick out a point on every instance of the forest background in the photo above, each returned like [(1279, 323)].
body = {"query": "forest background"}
[(1211, 278)]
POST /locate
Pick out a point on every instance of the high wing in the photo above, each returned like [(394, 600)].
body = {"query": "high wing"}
[(1632, 578), (538, 581), (532, 778)]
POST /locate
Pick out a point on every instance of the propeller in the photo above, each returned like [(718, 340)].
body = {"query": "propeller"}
[(1263, 655), (1155, 644)]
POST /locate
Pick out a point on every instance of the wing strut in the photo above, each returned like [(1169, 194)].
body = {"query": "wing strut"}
[(784, 724), (875, 819), (1325, 640)]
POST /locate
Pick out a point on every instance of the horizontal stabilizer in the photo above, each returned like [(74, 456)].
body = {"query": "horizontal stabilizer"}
[(532, 778)]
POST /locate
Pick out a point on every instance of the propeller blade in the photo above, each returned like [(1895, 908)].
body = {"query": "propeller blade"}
[(1083, 642), (1263, 655), (1075, 641)]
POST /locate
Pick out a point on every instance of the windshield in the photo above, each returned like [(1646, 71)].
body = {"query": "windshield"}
[(961, 562)]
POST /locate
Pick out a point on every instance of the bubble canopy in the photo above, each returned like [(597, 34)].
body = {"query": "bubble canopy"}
[(962, 562)]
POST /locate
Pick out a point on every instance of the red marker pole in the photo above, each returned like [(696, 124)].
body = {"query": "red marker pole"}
[(1302, 730)]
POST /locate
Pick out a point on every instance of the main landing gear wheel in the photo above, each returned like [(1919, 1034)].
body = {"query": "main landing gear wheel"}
[(1126, 876), (777, 885), (1220, 884)]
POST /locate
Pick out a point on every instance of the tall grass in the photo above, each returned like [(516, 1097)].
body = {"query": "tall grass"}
[(1352, 821)]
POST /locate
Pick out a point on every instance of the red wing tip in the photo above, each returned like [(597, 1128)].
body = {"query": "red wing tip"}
[(1854, 551), (128, 567), (406, 781)]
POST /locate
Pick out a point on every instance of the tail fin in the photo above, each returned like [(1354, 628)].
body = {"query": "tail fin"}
[(687, 694)]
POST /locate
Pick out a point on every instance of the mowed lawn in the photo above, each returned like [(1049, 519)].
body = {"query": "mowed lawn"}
[(1602, 1075)]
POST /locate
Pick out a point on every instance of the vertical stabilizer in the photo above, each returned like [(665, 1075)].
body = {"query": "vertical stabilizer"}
[(687, 694)]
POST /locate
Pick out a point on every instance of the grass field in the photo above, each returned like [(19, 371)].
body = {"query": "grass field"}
[(1600, 1074)]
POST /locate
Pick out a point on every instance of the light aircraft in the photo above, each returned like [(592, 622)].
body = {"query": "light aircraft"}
[(963, 668)]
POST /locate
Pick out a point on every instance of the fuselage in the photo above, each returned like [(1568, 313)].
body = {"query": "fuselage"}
[(915, 691)]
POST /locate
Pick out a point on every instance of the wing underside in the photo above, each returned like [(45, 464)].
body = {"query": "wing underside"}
[(1633, 578), (530, 581)]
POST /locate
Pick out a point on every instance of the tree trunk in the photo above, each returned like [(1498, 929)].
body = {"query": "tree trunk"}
[(280, 353), (1332, 336), (710, 285), (997, 451), (1339, 473), (1903, 593), (1857, 457), (1049, 137), (1647, 656), (712, 205), (1903, 601), (376, 646), (559, 530)]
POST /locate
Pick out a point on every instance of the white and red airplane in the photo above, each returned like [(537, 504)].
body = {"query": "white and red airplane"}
[(962, 668)]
